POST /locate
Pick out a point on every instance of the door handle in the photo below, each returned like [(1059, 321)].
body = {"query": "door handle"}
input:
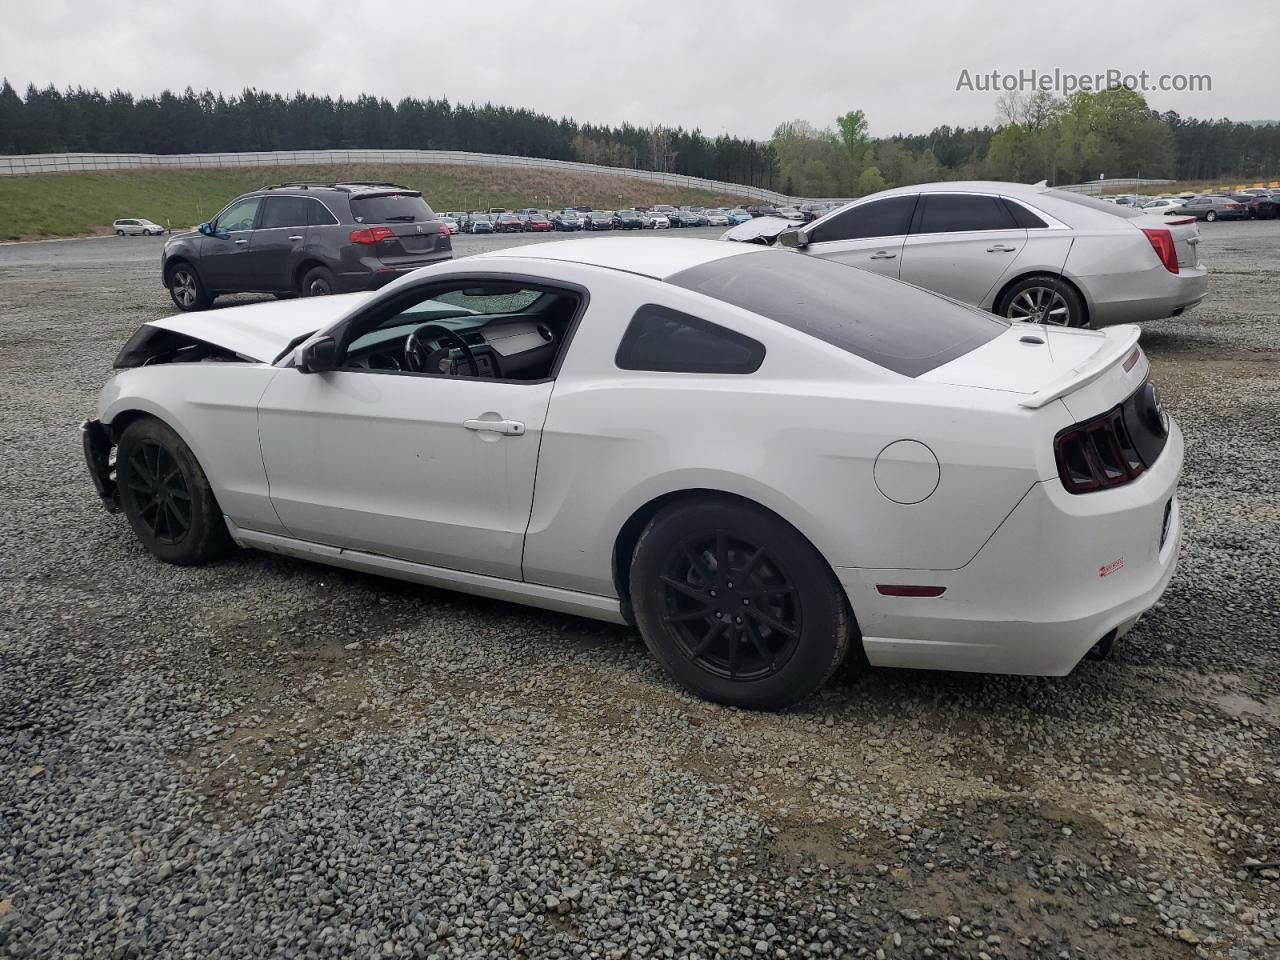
[(239, 242), (296, 236), (1001, 248), (882, 255), (508, 428)]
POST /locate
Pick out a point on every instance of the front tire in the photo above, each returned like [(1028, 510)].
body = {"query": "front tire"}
[(185, 288), (319, 282), (1211, 216), (1043, 299), (737, 606), (166, 496), (119, 233)]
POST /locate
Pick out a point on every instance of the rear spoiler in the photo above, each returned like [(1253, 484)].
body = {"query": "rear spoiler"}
[(1120, 341)]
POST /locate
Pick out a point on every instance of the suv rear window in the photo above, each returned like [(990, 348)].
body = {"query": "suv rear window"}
[(391, 208), (894, 325)]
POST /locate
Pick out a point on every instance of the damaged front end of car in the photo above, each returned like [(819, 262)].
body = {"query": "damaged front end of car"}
[(100, 455)]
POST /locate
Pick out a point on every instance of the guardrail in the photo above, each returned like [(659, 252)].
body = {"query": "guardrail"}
[(80, 162), (1096, 187)]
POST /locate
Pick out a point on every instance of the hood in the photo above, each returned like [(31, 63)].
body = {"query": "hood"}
[(263, 331), (760, 229)]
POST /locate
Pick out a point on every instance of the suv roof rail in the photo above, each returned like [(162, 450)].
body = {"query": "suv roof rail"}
[(343, 185)]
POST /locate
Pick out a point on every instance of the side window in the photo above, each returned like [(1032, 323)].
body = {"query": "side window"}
[(668, 341), (284, 212), (319, 214), (1023, 217), (889, 217), (958, 212), (240, 215)]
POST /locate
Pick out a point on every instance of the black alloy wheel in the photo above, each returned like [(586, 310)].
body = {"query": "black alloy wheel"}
[(166, 496), (737, 605), (159, 493), (731, 609)]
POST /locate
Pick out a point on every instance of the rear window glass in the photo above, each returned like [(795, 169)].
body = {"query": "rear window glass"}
[(391, 208), (1093, 203), (894, 325)]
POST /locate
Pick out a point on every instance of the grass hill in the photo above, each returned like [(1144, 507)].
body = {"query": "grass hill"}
[(77, 204)]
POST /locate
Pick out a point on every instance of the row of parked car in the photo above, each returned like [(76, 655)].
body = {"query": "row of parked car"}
[(1255, 203), (570, 219)]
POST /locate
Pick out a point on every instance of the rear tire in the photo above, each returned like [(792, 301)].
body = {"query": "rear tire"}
[(185, 288), (166, 496), (1043, 299), (737, 606), (319, 282)]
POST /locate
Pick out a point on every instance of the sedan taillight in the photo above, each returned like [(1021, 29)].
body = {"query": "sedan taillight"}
[(1162, 243), (371, 235)]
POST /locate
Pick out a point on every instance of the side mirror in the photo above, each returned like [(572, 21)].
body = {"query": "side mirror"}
[(795, 239), (319, 356), (206, 229)]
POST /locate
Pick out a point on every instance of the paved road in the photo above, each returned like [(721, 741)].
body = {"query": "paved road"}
[(108, 250)]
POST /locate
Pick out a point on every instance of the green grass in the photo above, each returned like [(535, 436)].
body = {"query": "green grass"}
[(79, 204)]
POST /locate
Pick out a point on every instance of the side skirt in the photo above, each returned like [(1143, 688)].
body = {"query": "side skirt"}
[(515, 591)]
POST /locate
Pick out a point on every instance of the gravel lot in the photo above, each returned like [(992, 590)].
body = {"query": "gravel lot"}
[(267, 758)]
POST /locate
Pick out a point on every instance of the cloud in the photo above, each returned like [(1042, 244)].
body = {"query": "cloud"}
[(721, 66)]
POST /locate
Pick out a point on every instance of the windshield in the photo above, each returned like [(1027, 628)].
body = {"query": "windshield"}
[(391, 208), (460, 306), (897, 326)]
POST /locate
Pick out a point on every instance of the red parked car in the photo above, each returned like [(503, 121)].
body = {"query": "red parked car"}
[(508, 223), (537, 223)]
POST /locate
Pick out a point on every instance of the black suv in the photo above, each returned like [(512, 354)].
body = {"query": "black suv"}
[(305, 239)]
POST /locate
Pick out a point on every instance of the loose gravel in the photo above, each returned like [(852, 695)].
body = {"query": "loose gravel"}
[(268, 758)]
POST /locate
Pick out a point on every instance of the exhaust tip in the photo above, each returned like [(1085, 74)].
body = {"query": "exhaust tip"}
[(1102, 649)]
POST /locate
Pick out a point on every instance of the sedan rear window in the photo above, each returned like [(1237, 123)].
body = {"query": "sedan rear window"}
[(894, 325), (1093, 203), (391, 208)]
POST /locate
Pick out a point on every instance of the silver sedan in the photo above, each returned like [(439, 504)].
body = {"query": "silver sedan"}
[(1027, 252)]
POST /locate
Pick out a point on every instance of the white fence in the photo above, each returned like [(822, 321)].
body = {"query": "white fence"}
[(78, 162)]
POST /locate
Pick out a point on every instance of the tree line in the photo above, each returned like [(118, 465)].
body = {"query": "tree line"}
[(1036, 137), (1110, 133), (49, 120)]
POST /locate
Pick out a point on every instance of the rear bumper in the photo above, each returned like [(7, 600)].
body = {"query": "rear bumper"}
[(373, 277), (1151, 295), (1061, 572), (97, 455)]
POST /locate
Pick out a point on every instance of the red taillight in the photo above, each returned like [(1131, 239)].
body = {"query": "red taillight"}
[(1097, 454), (1162, 243), (371, 235)]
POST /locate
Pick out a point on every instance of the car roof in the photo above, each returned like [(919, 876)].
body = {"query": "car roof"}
[(1006, 188), (647, 256)]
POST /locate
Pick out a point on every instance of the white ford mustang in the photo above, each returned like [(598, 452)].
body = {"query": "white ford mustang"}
[(767, 462)]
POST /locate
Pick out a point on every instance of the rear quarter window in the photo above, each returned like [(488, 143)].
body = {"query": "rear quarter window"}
[(663, 340), (894, 325)]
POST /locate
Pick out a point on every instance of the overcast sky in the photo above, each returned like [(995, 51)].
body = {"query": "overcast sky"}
[(723, 66)]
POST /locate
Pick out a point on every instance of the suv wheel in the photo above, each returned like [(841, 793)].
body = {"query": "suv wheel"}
[(185, 288), (319, 282)]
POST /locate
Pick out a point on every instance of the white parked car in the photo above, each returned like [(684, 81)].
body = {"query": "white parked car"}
[(136, 227), (762, 460), (1027, 252), (716, 218), (1162, 206), (657, 221)]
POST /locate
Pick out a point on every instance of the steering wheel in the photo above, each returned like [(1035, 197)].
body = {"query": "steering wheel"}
[(421, 359)]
